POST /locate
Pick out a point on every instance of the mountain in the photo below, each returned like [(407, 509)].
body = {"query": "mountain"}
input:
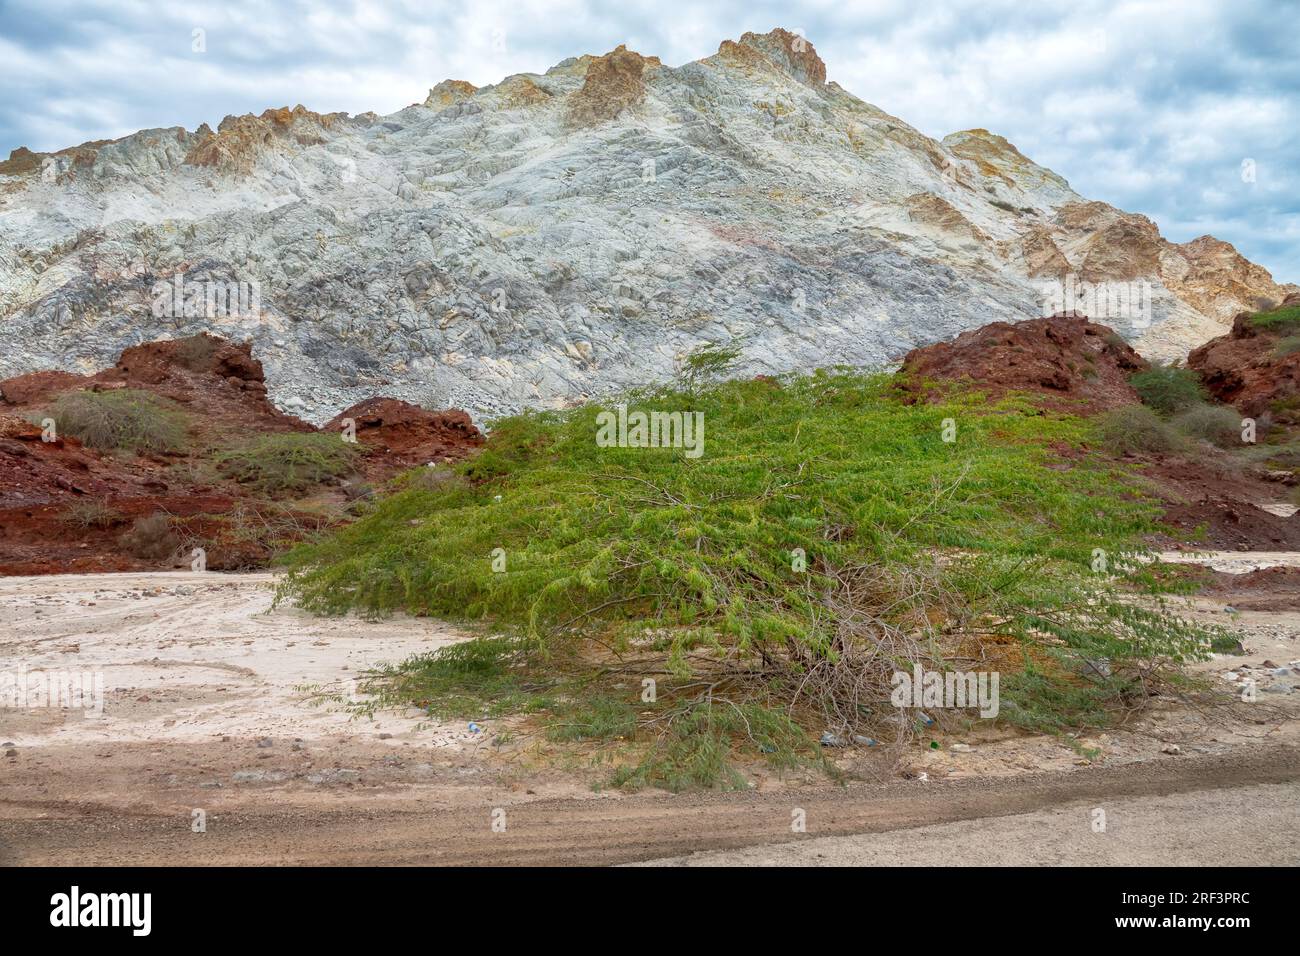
[(558, 236)]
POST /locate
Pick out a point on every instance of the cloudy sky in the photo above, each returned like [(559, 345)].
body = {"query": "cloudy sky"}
[(1185, 110)]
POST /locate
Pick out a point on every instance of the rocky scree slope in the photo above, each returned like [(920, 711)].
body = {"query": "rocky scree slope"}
[(558, 236)]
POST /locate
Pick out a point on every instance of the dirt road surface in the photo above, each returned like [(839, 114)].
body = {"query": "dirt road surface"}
[(1238, 826), (224, 739)]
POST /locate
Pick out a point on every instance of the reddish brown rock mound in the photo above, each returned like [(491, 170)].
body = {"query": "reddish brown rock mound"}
[(1073, 363), (409, 434), (1246, 369), (68, 508), (615, 82)]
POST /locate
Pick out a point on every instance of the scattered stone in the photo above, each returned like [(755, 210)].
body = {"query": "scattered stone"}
[(334, 776), (258, 776)]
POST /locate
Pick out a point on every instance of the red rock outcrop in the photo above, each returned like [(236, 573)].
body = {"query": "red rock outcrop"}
[(68, 508), (615, 83), (1074, 364), (406, 433), (1247, 369), (790, 51), (240, 140)]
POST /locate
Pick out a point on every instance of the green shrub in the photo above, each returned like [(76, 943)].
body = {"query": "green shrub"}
[(125, 418), (1280, 319), (1216, 424), (827, 535), (593, 718), (1136, 429), (706, 364), (1168, 389), (289, 463)]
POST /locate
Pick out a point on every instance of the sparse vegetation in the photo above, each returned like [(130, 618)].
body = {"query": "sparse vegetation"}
[(120, 419), (1169, 389), (90, 513), (1216, 424), (707, 364), (1137, 430), (1287, 346), (289, 463), (151, 538), (828, 537)]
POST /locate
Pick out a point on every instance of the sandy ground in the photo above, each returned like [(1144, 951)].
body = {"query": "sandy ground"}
[(1234, 562), (195, 656), (1241, 826), (213, 702)]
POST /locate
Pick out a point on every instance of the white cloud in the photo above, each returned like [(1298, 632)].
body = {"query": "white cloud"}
[(1148, 104)]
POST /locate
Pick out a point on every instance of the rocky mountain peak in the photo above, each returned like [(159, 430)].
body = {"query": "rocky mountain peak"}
[(562, 235), (449, 92), (790, 51), (614, 83)]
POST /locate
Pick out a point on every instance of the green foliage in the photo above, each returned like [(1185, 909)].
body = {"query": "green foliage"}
[(596, 717), (1168, 389), (481, 678), (1136, 429), (707, 364), (1216, 424), (125, 418), (1282, 319), (1037, 701), (694, 751), (692, 563), (288, 463)]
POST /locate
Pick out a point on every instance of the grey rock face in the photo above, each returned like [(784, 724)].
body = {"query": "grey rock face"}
[(485, 249)]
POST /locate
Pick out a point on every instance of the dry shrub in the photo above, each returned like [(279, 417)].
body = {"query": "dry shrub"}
[(151, 538)]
